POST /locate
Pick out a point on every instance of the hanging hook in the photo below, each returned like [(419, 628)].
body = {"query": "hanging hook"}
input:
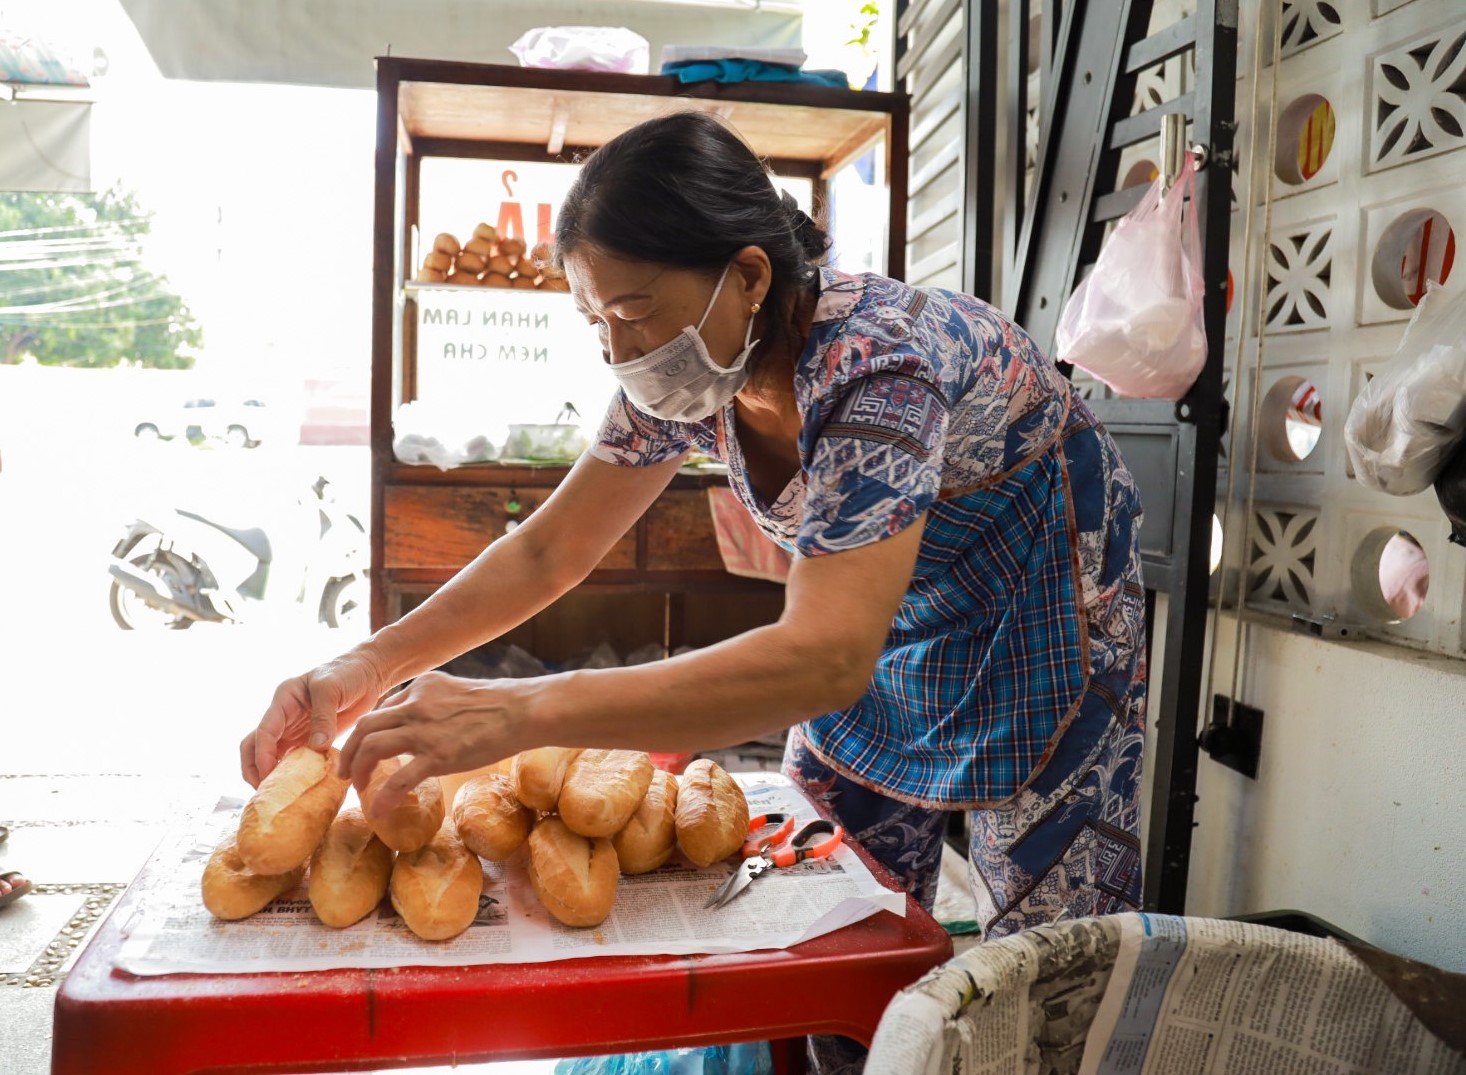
[(1173, 148)]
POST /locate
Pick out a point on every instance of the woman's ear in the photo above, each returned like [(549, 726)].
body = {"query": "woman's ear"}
[(753, 274)]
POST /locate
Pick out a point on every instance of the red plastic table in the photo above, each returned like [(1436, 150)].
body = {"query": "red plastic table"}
[(355, 1020)]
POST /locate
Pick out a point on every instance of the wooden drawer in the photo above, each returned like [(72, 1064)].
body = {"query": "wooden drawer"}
[(679, 533), (444, 527)]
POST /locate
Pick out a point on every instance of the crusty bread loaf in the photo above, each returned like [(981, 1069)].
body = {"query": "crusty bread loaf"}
[(538, 775), (490, 820), (291, 811), (451, 782), (602, 789), (414, 820), (232, 890), (349, 871), (575, 878), (650, 837), (436, 888), (712, 814)]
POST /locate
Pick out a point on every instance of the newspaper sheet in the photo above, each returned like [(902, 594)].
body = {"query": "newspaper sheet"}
[(660, 913), (1140, 994), (1200, 994)]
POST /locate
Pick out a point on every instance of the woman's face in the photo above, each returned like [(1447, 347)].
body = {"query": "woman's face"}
[(637, 306)]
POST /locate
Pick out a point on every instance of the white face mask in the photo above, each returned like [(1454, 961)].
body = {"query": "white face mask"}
[(679, 381)]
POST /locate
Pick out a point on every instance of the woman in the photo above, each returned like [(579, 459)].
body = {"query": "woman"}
[(963, 621)]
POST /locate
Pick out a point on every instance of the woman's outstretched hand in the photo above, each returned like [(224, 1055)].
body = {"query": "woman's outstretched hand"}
[(311, 709), (446, 723)]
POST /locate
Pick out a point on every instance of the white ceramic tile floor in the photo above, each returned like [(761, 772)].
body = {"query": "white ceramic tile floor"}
[(28, 925)]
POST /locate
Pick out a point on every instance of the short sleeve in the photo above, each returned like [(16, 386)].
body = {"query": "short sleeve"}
[(629, 437), (876, 464)]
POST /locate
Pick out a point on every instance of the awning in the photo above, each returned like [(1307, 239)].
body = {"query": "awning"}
[(45, 119), (333, 42)]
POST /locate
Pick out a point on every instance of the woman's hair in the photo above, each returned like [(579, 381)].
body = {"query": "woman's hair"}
[(686, 190)]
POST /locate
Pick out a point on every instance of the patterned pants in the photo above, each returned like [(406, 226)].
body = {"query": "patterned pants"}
[(1071, 850)]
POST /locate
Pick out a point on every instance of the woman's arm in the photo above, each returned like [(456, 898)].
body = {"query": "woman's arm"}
[(817, 658), (507, 583)]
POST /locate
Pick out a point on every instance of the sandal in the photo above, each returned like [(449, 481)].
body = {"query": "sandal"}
[(16, 890)]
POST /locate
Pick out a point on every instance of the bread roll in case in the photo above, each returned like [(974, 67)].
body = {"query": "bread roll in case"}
[(539, 773), (574, 877), (436, 888), (231, 890), (602, 789), (290, 813), (712, 813), (414, 820), (491, 821), (349, 871), (650, 837)]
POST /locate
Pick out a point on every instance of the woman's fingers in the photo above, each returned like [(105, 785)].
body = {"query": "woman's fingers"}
[(380, 734), (396, 786), (248, 766)]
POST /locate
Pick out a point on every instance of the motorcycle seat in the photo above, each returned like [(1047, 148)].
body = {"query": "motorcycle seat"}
[(253, 538)]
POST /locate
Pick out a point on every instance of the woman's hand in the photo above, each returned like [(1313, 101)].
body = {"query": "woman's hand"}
[(446, 723), (311, 709)]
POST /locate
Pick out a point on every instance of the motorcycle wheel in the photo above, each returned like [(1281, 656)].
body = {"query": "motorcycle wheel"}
[(340, 601), (132, 613)]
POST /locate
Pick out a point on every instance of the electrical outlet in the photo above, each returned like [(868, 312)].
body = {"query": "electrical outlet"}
[(1235, 743)]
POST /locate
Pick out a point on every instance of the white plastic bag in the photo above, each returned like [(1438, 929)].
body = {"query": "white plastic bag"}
[(1404, 424), (1135, 322), (443, 436), (584, 48)]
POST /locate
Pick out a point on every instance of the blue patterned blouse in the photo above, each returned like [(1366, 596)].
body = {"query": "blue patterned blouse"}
[(1021, 635)]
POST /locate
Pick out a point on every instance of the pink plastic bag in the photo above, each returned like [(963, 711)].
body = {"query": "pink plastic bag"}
[(1135, 322)]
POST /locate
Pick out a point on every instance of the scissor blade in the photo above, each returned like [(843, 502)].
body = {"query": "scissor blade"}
[(731, 887)]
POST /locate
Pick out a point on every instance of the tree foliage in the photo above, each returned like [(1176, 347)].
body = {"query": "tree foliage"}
[(74, 289)]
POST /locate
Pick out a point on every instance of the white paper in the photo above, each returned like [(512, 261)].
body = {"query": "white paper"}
[(660, 913)]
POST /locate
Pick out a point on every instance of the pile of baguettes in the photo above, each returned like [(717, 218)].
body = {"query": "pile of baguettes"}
[(587, 817), (487, 260)]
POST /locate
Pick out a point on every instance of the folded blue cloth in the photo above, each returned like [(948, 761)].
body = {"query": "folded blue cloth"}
[(736, 70)]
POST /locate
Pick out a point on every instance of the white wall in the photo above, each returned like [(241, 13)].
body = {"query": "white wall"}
[(1358, 812)]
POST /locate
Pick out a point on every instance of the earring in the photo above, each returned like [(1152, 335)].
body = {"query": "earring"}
[(755, 308)]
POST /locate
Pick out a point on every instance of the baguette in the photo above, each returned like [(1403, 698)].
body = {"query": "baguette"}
[(602, 789), (650, 837), (712, 813), (490, 820), (574, 877), (349, 871), (232, 890), (538, 775), (436, 888), (413, 821), (291, 811)]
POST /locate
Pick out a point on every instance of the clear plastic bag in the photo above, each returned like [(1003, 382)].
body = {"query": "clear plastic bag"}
[(584, 48), (1404, 424), (1135, 322)]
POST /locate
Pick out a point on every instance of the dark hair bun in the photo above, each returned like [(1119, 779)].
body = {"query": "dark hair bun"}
[(812, 239)]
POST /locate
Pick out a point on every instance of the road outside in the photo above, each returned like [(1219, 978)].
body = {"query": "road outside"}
[(83, 695)]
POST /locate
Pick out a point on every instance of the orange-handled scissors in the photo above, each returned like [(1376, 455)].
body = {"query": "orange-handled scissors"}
[(777, 850)]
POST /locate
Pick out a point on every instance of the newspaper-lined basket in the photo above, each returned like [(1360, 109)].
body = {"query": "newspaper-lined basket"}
[(1155, 993)]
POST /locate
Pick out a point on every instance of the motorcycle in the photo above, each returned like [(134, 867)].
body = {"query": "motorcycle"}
[(193, 569)]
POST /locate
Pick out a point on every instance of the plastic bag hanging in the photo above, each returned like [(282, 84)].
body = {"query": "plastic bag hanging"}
[(1404, 424), (1135, 322)]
